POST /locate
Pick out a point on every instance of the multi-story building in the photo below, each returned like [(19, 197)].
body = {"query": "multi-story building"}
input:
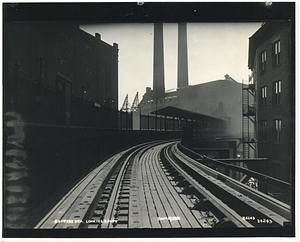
[(270, 59), (63, 57)]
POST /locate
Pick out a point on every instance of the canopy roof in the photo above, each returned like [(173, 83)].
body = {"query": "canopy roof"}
[(182, 113)]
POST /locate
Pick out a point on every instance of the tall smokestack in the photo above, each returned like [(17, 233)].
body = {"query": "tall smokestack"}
[(182, 76), (158, 63)]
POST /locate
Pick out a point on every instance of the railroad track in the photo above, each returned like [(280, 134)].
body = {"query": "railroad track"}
[(155, 185)]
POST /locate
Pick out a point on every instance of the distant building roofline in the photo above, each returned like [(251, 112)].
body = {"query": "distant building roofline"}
[(183, 113)]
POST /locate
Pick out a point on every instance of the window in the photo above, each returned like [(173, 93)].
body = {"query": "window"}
[(277, 130), (88, 52), (63, 37), (276, 92), (88, 71), (263, 133), (276, 170), (262, 61), (63, 62), (264, 97), (276, 53), (63, 67)]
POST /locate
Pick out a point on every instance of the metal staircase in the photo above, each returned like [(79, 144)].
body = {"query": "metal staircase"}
[(249, 119)]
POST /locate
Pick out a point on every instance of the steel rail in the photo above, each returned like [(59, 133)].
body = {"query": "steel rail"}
[(217, 203), (266, 178), (271, 203), (78, 204), (266, 206), (115, 181), (110, 218)]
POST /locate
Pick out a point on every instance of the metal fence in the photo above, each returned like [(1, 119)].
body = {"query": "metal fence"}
[(137, 121)]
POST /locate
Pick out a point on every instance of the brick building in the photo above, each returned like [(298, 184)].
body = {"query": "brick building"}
[(64, 58), (270, 59)]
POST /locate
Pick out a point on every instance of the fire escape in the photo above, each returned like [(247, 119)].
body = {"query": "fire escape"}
[(249, 119)]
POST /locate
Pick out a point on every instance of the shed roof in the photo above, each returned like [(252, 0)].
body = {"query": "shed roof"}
[(183, 113)]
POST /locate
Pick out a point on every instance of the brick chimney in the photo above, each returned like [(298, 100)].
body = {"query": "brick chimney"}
[(98, 36), (182, 64), (158, 63)]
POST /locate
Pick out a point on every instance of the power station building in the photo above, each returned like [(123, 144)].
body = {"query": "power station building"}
[(220, 98), (270, 59)]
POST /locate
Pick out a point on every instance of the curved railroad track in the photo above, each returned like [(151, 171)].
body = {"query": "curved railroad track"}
[(155, 185)]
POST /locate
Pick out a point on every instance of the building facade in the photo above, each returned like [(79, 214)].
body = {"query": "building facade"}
[(88, 66), (220, 99), (270, 59)]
